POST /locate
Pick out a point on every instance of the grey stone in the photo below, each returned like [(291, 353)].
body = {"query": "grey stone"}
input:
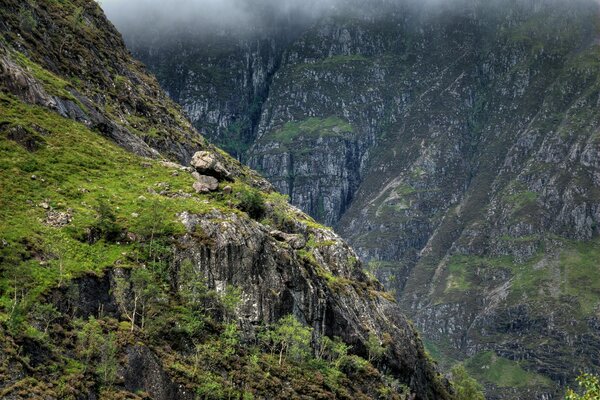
[(207, 163), (205, 184)]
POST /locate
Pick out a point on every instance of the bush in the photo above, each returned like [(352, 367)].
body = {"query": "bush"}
[(27, 21), (252, 203), (106, 226), (466, 387), (290, 338), (374, 348), (590, 385)]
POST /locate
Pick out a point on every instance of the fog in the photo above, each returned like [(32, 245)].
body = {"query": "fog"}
[(164, 15), (159, 17), (130, 15)]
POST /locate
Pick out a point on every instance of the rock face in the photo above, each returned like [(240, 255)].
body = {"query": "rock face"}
[(277, 280), (457, 150)]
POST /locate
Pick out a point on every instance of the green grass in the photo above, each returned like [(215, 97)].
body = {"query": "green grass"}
[(338, 61), (344, 59), (490, 368), (540, 281), (74, 169), (580, 266), (523, 203), (458, 278), (311, 128), (52, 84), (433, 350)]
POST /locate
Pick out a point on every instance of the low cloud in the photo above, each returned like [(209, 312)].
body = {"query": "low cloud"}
[(154, 19), (136, 15)]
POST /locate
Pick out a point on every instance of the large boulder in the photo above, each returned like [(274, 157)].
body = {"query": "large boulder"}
[(206, 163), (205, 184)]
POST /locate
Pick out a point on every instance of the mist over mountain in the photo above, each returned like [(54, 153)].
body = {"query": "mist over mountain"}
[(203, 16), (153, 20)]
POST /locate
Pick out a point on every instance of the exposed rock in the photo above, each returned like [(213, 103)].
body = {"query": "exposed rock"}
[(22, 84), (56, 219), (205, 184), (472, 157), (295, 241), (97, 84), (144, 372), (276, 282), (173, 165), (31, 141), (206, 163)]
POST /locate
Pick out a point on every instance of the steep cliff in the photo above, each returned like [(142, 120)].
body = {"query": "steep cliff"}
[(125, 274), (456, 147)]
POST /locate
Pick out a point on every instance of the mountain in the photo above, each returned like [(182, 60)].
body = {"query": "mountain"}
[(139, 261), (455, 145)]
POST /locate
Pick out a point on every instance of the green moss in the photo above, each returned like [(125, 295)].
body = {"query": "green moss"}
[(541, 281), (521, 201), (458, 278)]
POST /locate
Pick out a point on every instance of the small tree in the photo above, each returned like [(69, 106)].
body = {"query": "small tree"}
[(107, 367), (46, 314), (230, 301), (106, 226), (290, 338), (27, 21), (252, 202), (335, 351), (89, 340), (145, 292), (127, 305), (191, 287), (137, 295), (591, 388), (155, 227), (374, 348), (229, 340), (20, 277)]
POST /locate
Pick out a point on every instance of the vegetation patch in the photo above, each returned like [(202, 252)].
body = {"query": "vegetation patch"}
[(581, 275), (502, 372), (311, 128)]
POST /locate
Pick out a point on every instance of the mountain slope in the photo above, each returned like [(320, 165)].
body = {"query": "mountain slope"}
[(126, 275), (457, 150)]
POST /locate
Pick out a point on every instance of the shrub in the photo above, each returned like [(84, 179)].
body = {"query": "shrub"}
[(290, 338), (27, 21), (252, 203), (466, 387), (374, 348), (591, 388), (106, 226)]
